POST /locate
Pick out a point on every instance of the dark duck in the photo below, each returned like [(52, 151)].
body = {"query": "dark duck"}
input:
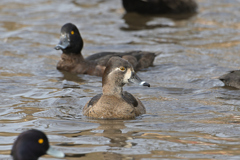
[(160, 6), (71, 44), (31, 145)]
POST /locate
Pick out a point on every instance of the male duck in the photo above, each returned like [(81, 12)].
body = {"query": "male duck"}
[(114, 103), (71, 44), (160, 6), (231, 79), (32, 144)]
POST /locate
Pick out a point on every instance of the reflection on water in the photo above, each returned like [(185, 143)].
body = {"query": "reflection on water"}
[(134, 21), (190, 114)]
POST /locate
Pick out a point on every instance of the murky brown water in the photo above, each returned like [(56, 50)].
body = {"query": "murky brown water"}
[(190, 115)]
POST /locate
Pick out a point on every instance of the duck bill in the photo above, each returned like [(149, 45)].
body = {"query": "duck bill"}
[(64, 42), (55, 153), (135, 79)]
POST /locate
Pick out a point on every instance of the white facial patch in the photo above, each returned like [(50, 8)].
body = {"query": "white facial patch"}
[(127, 76)]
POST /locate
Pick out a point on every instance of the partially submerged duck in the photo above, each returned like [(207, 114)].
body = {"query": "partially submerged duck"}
[(160, 6), (113, 102), (231, 79), (71, 44), (31, 145)]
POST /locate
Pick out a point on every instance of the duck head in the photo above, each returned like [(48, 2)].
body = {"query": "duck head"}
[(70, 39)]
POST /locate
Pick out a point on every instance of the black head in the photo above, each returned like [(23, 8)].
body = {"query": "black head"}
[(119, 72), (70, 39), (32, 144)]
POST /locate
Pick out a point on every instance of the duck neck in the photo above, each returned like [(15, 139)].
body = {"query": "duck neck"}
[(112, 89), (72, 57)]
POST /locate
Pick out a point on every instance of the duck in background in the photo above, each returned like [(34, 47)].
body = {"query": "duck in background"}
[(114, 103), (32, 144), (71, 44), (160, 6), (231, 79)]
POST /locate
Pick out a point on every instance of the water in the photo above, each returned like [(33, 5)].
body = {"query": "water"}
[(190, 114)]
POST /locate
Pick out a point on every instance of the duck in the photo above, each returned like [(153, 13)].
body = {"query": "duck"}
[(71, 44), (113, 102), (231, 79), (160, 6), (32, 144)]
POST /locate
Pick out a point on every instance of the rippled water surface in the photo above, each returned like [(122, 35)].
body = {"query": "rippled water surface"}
[(190, 114)]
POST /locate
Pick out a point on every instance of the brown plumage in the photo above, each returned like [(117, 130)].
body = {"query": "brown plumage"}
[(114, 103), (231, 79)]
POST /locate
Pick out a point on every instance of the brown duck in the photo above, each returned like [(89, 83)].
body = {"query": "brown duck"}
[(71, 44), (113, 102), (231, 79)]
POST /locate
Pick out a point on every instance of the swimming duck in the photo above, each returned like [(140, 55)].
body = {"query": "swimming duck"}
[(71, 44), (231, 79), (113, 102), (31, 145), (160, 6)]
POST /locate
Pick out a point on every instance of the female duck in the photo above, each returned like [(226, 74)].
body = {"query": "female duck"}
[(71, 44), (32, 144), (231, 79), (114, 103)]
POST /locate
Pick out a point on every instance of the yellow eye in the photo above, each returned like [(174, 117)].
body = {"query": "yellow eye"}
[(122, 68), (72, 32), (40, 141)]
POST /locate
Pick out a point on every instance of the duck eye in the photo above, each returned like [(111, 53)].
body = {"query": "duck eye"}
[(40, 141), (72, 32), (122, 68)]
